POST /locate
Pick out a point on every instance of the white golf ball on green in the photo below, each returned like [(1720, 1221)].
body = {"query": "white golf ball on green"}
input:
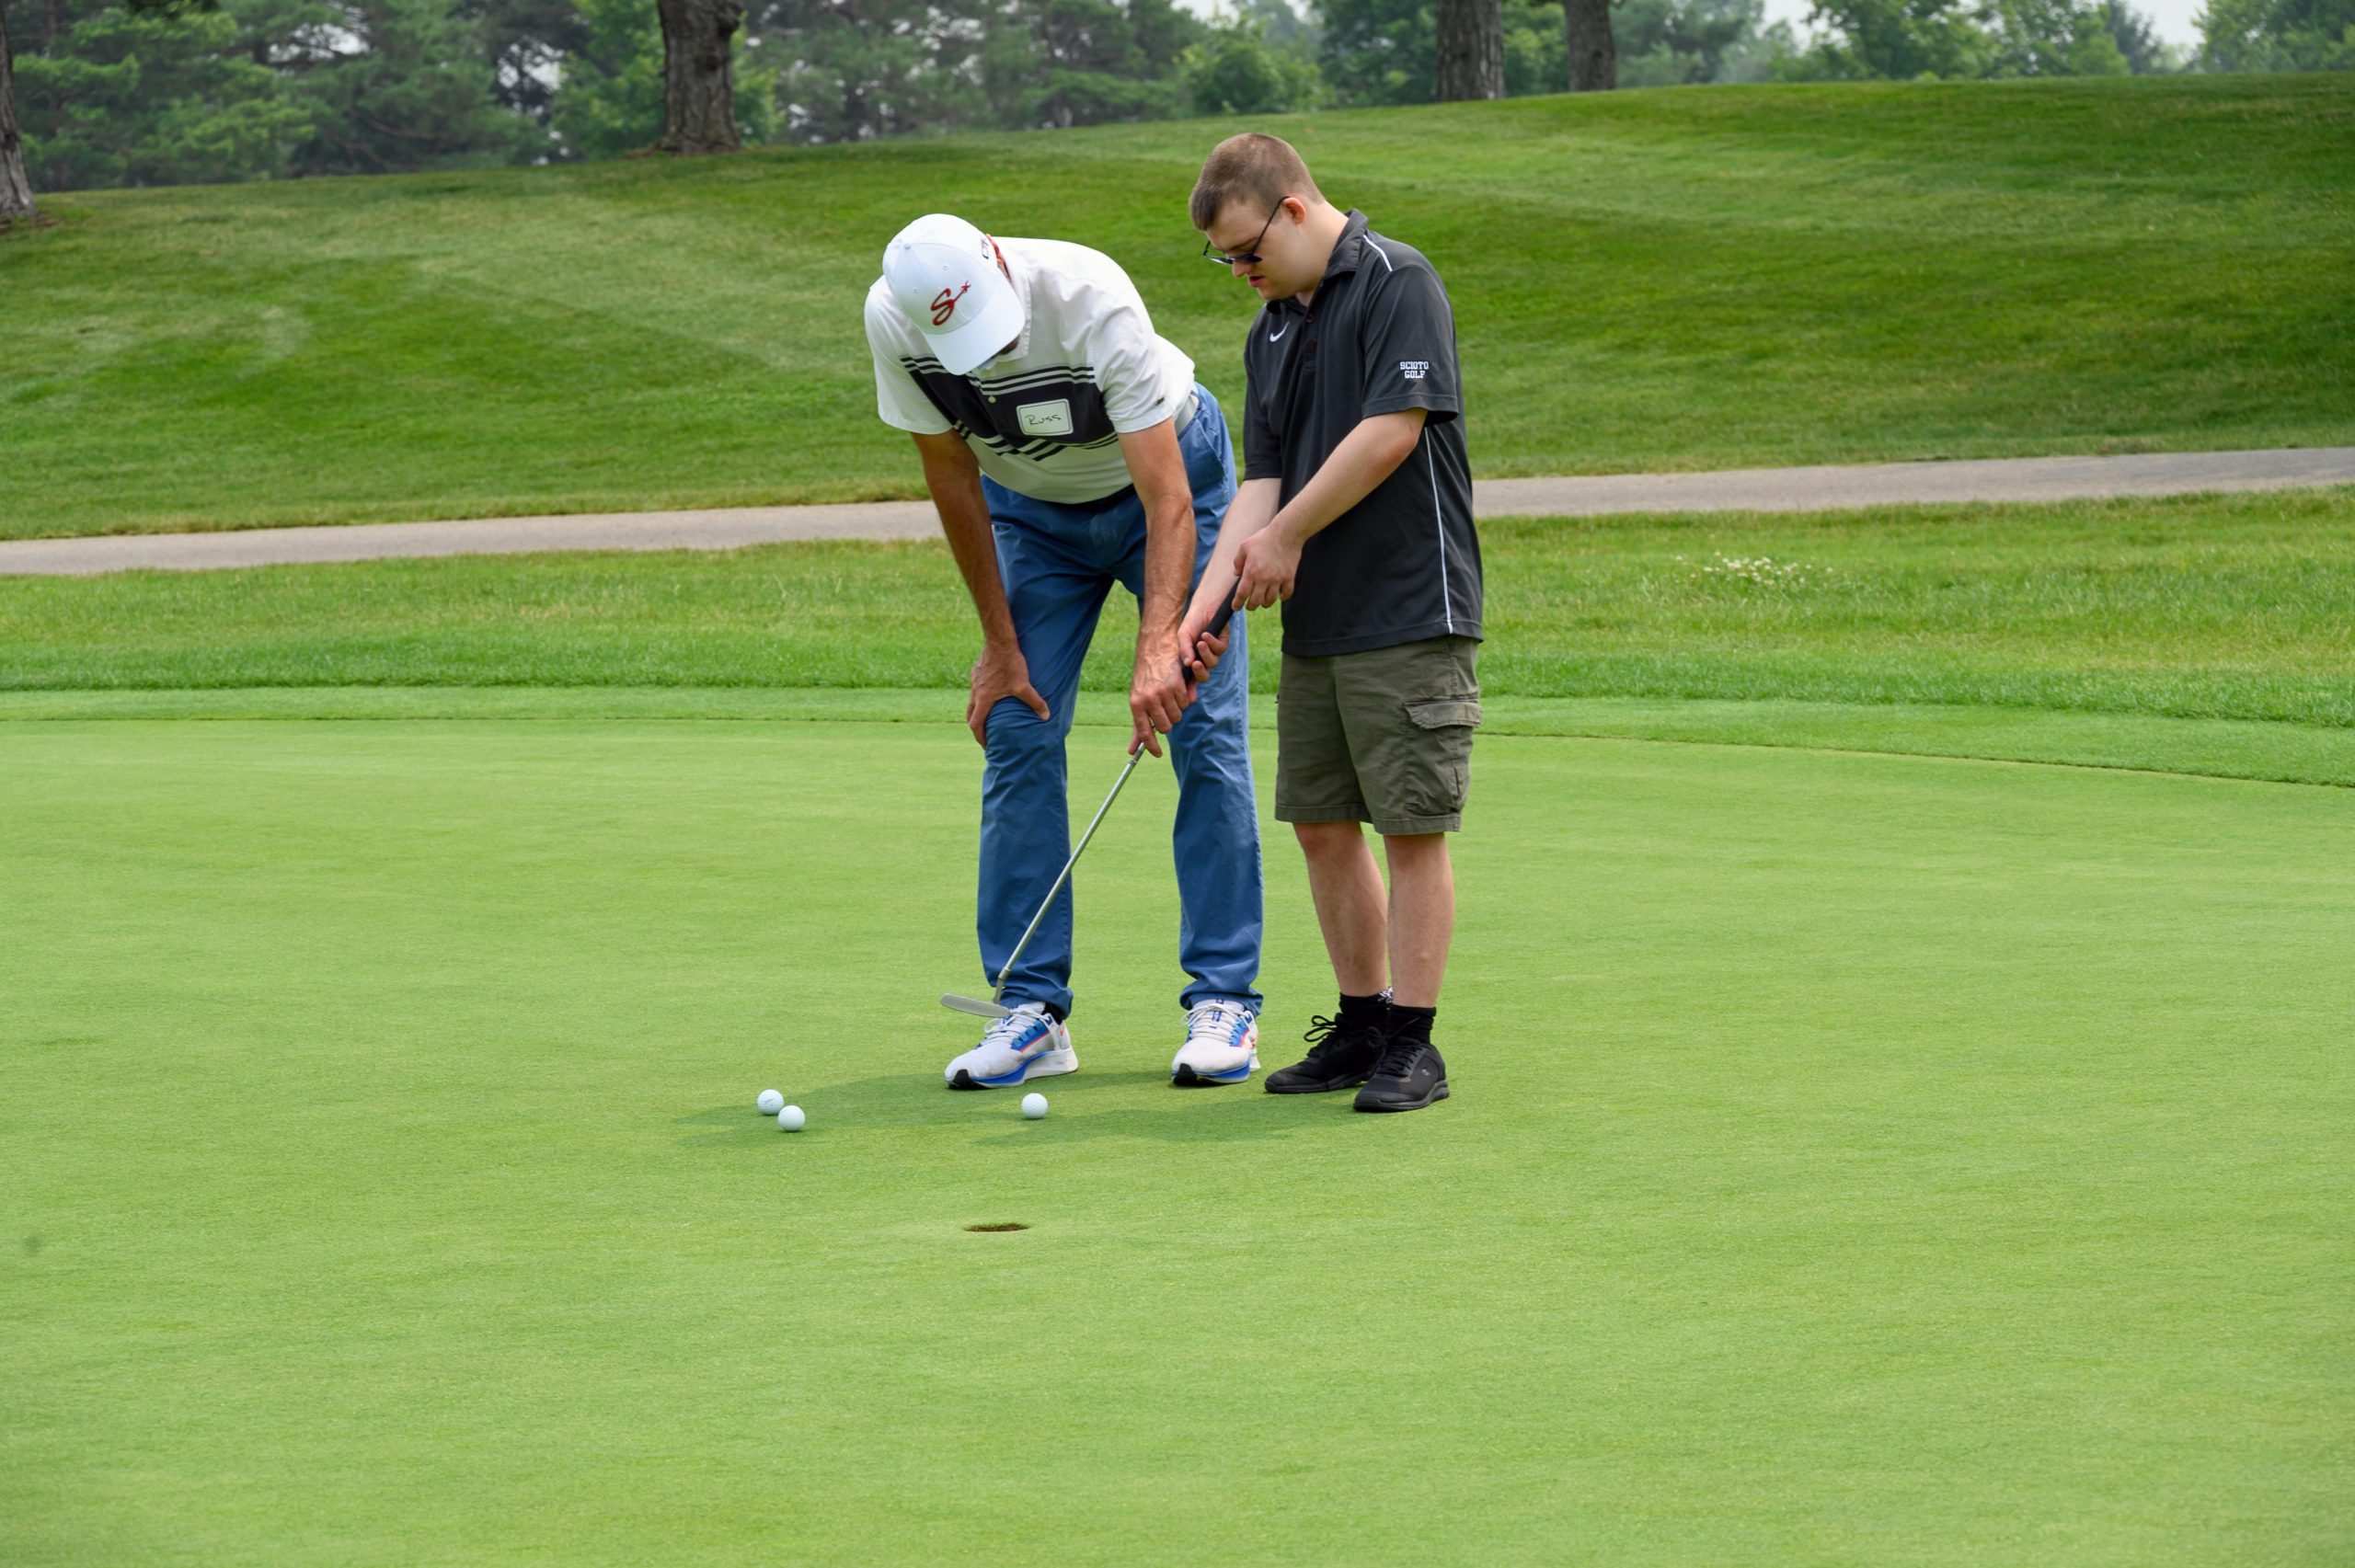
[(1034, 1105), (790, 1118), (770, 1102)]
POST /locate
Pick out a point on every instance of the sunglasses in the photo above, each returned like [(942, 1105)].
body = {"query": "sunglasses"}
[(1246, 258)]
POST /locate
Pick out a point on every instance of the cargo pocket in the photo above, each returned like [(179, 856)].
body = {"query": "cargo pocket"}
[(1445, 713), (1442, 774)]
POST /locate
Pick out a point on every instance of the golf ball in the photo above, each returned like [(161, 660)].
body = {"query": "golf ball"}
[(790, 1118), (770, 1102), (1034, 1105)]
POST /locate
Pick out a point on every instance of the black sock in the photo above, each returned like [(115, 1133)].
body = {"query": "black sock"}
[(1412, 1023), (1365, 1011)]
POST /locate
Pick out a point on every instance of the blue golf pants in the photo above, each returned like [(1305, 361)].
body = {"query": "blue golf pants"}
[(1058, 563)]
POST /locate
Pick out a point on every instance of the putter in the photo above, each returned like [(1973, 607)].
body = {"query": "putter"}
[(992, 1007)]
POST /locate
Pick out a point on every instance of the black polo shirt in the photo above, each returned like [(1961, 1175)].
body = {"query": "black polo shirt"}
[(1379, 337)]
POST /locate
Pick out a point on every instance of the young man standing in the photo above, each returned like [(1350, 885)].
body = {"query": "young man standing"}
[(1355, 512), (1067, 448)]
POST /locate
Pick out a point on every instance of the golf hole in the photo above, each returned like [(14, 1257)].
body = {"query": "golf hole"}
[(1010, 1225)]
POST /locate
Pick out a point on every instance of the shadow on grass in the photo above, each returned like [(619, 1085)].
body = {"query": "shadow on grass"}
[(919, 1100), (1228, 1119)]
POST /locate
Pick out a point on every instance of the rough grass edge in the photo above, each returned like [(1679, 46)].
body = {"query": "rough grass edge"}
[(2247, 750)]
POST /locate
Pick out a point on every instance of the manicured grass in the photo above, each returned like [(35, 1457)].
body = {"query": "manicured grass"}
[(2238, 608), (1644, 280), (1854, 1159)]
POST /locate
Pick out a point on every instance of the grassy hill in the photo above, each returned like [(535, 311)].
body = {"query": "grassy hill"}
[(1643, 280)]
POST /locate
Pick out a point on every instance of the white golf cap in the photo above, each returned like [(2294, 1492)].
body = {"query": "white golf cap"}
[(942, 274)]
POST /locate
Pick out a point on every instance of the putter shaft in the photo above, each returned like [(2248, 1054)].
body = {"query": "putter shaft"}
[(994, 1008), (997, 987)]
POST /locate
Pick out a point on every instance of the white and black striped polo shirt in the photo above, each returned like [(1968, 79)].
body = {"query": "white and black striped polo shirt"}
[(1044, 418), (1378, 337)]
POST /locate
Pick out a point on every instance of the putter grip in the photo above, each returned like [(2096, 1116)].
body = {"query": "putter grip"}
[(1185, 662), (1218, 624)]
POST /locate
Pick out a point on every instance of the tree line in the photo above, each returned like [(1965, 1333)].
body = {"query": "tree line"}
[(108, 92)]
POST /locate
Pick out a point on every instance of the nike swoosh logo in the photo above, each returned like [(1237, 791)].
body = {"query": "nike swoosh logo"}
[(1273, 335)]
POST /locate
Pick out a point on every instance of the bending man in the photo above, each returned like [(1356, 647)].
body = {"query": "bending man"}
[(1067, 448)]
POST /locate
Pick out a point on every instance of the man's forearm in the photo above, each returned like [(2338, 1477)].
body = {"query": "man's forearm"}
[(1157, 467), (975, 549), (1367, 455), (1168, 571), (965, 521), (1253, 508)]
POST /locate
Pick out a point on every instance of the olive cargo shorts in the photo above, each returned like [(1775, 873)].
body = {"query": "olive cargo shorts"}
[(1381, 737)]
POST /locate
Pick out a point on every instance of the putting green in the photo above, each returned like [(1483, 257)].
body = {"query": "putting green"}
[(1854, 1159)]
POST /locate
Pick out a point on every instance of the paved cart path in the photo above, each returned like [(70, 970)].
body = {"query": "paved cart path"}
[(1744, 489)]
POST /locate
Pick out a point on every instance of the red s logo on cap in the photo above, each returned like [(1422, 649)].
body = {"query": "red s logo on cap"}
[(944, 305)]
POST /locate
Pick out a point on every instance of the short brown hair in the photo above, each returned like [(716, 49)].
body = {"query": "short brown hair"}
[(1260, 169)]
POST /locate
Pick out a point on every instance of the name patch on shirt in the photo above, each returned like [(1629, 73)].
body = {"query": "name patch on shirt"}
[(1414, 370), (1045, 419)]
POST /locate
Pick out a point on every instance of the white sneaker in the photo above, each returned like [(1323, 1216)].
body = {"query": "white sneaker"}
[(1026, 1043), (1221, 1045)]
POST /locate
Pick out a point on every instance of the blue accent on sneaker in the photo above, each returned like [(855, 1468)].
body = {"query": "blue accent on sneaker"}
[(1234, 1075), (1037, 1040), (1005, 1078)]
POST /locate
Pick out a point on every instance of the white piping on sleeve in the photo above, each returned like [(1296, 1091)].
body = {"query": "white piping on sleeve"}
[(1446, 592)]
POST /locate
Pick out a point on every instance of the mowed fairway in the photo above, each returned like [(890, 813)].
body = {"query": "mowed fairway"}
[(1854, 1159)]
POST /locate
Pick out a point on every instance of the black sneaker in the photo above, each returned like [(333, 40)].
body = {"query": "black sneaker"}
[(1409, 1076), (1338, 1059)]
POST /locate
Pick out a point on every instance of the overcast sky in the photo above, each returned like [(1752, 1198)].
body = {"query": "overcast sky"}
[(2172, 17)]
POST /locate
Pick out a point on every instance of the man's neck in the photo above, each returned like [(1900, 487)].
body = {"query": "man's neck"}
[(1324, 228)]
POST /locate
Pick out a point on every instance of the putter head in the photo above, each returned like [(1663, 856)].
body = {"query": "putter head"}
[(974, 1005)]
